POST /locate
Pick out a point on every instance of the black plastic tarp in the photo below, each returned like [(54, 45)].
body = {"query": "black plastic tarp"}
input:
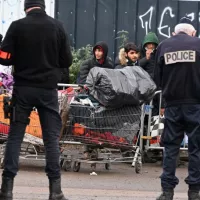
[(118, 87)]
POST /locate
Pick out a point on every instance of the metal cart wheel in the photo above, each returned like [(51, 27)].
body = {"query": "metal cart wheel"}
[(138, 167), (77, 166), (107, 166), (68, 165), (2, 163)]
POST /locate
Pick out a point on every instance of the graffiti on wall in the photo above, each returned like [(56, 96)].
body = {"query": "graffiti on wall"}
[(163, 28)]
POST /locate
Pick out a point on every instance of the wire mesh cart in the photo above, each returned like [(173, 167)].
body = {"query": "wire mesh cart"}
[(109, 135)]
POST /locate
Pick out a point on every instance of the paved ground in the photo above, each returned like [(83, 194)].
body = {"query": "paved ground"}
[(120, 183)]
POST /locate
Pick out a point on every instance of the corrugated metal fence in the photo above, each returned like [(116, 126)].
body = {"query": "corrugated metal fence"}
[(88, 21)]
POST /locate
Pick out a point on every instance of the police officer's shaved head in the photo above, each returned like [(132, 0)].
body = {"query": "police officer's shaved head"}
[(185, 25)]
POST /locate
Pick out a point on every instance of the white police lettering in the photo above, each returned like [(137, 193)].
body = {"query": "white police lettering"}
[(180, 56)]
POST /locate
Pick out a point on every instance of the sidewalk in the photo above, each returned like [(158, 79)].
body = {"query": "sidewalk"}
[(38, 193), (120, 183)]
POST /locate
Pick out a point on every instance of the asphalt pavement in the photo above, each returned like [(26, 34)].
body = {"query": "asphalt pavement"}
[(119, 183)]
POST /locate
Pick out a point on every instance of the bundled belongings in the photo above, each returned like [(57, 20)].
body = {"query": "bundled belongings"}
[(102, 125), (115, 88)]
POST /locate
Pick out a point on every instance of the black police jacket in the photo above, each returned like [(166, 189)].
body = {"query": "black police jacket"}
[(177, 70), (38, 48)]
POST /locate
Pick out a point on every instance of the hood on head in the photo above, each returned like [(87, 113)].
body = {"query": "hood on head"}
[(150, 38), (104, 47)]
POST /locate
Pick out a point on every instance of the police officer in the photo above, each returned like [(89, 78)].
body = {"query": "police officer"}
[(38, 47), (177, 73)]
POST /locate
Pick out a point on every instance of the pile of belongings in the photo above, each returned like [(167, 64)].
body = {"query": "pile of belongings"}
[(100, 124), (115, 88), (110, 109)]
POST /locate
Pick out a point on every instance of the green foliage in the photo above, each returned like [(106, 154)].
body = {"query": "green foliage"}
[(122, 37), (85, 53), (79, 56)]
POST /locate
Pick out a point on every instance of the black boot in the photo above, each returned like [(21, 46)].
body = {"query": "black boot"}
[(193, 195), (6, 188), (55, 190), (166, 195)]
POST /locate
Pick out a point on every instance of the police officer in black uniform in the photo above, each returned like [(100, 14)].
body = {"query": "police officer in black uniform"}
[(38, 48), (177, 73)]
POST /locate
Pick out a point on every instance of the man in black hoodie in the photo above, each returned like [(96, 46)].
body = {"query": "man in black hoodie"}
[(100, 59), (38, 48)]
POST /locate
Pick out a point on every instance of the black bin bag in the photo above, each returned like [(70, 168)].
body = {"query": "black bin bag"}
[(118, 87)]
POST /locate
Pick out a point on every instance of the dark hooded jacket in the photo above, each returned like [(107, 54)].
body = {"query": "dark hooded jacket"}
[(148, 65), (92, 62)]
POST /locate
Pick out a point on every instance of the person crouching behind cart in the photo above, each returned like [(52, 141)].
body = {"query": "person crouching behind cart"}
[(128, 56), (100, 59)]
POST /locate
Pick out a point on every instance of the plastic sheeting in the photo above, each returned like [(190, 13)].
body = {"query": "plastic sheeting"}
[(115, 88)]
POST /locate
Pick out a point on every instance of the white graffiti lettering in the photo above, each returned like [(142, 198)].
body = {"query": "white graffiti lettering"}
[(191, 15), (146, 23), (161, 26), (164, 28)]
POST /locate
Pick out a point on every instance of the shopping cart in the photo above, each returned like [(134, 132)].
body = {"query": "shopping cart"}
[(101, 131), (96, 144)]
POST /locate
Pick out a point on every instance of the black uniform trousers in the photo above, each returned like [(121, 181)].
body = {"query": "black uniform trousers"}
[(181, 119), (46, 102)]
